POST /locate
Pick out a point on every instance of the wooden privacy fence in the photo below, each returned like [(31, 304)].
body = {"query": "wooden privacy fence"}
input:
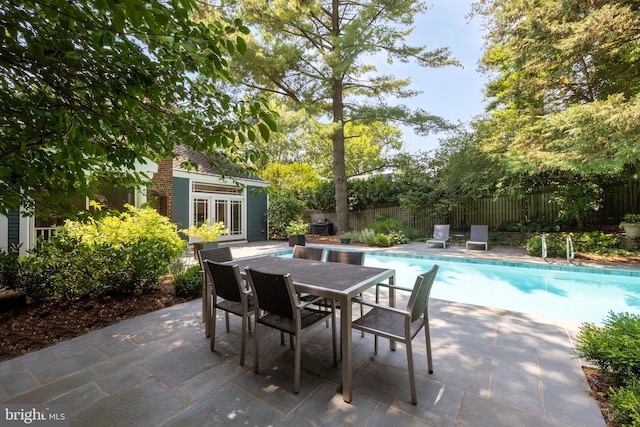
[(617, 201)]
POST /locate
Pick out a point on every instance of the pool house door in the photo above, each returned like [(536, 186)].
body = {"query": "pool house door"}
[(219, 204)]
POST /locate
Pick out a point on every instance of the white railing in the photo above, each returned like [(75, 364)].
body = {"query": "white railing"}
[(42, 233), (544, 246)]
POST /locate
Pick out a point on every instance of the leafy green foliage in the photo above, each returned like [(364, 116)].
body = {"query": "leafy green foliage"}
[(296, 228), (393, 227), (297, 177), (381, 240), (556, 245), (376, 191), (631, 218), (565, 88), (315, 55), (613, 347), (91, 89), (361, 236), (9, 268), (594, 242), (188, 282), (284, 207), (120, 252), (625, 403), (536, 225)]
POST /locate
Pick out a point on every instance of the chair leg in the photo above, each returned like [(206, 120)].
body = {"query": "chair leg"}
[(361, 314), (256, 346), (412, 377), (427, 336), (212, 328), (243, 337), (226, 319)]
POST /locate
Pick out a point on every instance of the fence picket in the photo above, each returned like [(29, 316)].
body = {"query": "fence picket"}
[(617, 201)]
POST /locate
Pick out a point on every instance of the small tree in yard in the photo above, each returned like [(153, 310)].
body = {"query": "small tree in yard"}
[(284, 208), (89, 89)]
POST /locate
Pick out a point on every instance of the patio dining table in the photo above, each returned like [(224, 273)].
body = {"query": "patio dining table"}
[(337, 281)]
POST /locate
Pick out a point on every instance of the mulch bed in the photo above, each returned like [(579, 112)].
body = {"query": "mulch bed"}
[(30, 327)]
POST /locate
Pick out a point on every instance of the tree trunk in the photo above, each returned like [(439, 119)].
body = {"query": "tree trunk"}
[(337, 138)]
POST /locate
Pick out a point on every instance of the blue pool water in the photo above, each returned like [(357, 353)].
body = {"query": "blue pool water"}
[(580, 294), (574, 293)]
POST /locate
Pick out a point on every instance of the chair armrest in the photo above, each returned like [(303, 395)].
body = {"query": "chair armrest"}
[(387, 285), (390, 287), (384, 307), (303, 304)]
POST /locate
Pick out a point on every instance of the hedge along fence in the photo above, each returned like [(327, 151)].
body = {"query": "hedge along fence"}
[(617, 201)]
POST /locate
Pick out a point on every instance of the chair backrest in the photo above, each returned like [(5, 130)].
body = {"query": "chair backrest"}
[(420, 295), (272, 292), (441, 232), (346, 257), (308, 252), (221, 254), (479, 233), (226, 280)]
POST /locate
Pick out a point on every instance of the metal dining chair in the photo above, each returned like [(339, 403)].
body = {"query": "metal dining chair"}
[(342, 257), (230, 295), (308, 252), (277, 306), (221, 254), (402, 325)]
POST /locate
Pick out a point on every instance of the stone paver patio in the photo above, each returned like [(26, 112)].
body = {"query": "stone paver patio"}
[(491, 368)]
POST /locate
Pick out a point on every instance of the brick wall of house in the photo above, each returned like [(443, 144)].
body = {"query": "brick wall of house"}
[(161, 195)]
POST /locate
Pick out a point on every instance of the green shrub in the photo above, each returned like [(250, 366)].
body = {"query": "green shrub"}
[(397, 238), (613, 347), (381, 240), (536, 225), (119, 252), (362, 236), (284, 208), (9, 268), (556, 245), (189, 282), (596, 242), (590, 242), (388, 225), (625, 403)]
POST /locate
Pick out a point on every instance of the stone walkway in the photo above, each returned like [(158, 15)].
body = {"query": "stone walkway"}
[(491, 368)]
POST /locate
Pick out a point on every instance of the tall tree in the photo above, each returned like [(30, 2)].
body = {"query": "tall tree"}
[(319, 55), (565, 90), (90, 88)]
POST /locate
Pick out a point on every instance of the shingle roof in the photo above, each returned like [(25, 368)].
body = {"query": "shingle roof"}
[(208, 165)]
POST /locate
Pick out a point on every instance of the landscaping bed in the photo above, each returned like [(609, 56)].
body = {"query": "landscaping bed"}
[(30, 327)]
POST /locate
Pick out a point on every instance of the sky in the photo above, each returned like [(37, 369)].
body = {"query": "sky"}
[(454, 93)]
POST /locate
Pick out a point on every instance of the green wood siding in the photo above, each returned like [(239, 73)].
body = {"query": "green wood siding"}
[(256, 210), (181, 202)]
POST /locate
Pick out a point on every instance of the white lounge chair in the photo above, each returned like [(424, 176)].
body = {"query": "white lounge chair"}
[(479, 236), (440, 235)]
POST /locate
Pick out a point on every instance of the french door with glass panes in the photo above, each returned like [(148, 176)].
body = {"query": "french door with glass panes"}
[(227, 209)]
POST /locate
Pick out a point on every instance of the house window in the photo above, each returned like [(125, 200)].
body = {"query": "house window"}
[(219, 203)]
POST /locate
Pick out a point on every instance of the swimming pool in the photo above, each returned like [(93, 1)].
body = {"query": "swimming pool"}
[(581, 294), (575, 293)]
